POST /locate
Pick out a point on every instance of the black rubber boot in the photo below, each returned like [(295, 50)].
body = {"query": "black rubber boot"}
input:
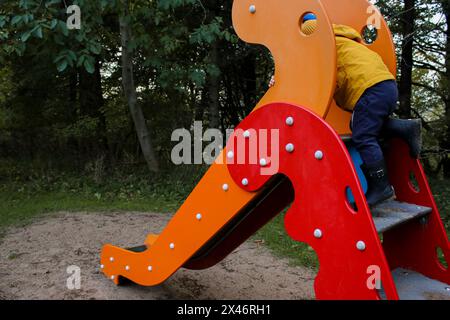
[(379, 188), (408, 130)]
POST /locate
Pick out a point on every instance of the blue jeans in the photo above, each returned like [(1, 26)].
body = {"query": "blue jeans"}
[(369, 115)]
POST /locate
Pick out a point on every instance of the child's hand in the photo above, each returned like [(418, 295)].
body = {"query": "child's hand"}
[(272, 82)]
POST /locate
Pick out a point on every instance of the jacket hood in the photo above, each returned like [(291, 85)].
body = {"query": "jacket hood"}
[(347, 32)]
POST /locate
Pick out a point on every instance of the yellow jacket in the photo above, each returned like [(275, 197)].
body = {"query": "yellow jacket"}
[(358, 68)]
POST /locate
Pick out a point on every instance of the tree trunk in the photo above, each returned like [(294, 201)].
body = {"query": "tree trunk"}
[(91, 103), (249, 74), (213, 81), (131, 95), (201, 105), (90, 91), (405, 85), (213, 89), (446, 83)]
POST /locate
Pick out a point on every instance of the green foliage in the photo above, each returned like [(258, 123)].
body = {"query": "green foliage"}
[(74, 114), (173, 4), (208, 33), (26, 193), (40, 28), (441, 192), (5, 84), (274, 236)]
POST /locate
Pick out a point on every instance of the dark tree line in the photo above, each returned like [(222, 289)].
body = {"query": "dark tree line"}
[(136, 70)]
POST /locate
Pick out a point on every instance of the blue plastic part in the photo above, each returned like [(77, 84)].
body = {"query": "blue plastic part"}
[(309, 16), (357, 162)]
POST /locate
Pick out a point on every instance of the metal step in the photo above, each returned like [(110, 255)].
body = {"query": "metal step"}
[(415, 286), (390, 214)]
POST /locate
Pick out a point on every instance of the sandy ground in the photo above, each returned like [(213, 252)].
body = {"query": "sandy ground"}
[(34, 261)]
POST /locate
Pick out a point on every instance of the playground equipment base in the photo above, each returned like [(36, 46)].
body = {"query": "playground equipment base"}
[(294, 151)]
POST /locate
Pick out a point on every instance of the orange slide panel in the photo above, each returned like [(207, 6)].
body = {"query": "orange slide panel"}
[(207, 209), (305, 66)]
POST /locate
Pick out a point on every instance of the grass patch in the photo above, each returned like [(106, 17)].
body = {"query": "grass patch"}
[(25, 195), (30, 195), (20, 209), (274, 236), (441, 193)]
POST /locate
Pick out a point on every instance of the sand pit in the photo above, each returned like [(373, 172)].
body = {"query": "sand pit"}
[(34, 261)]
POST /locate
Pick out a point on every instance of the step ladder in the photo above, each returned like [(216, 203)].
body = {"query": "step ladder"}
[(410, 285), (391, 214)]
